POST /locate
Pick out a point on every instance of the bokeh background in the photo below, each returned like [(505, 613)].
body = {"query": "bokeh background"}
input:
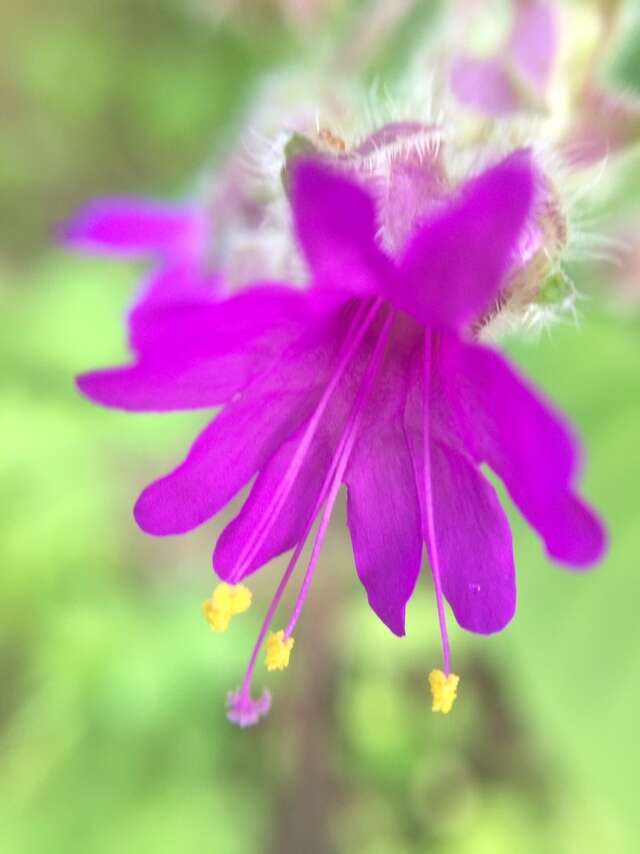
[(112, 729)]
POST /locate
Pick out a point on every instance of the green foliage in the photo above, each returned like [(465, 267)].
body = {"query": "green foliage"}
[(122, 97)]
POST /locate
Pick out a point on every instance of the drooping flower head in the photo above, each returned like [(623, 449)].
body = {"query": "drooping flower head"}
[(372, 378)]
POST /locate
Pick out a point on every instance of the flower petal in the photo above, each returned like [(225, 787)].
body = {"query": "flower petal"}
[(134, 227), (223, 459), (572, 532), (533, 42), (289, 526), (175, 283), (170, 385), (523, 439), (384, 521), (484, 85), (454, 265), (237, 443), (198, 352), (474, 544), (207, 327), (336, 223)]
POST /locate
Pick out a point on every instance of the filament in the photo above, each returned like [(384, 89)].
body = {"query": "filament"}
[(430, 530), (339, 465)]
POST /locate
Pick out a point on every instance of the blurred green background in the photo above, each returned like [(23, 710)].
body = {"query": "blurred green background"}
[(112, 729)]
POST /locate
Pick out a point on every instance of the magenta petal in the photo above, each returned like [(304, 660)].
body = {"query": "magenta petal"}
[(533, 41), (384, 521), (336, 224), (198, 352), (133, 227), (454, 265), (523, 439), (175, 283), (474, 544), (572, 532), (484, 85), (209, 327), (223, 459), (289, 525), (520, 434), (168, 385)]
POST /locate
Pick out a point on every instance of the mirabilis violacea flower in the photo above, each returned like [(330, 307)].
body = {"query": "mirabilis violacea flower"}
[(372, 377)]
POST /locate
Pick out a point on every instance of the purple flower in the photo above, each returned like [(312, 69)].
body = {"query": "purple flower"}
[(372, 378), (171, 236)]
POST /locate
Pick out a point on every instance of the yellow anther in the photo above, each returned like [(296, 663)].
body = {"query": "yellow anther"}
[(237, 598), (225, 602), (443, 690), (278, 650), (217, 618)]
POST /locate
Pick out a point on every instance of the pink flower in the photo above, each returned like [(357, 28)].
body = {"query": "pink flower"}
[(370, 378)]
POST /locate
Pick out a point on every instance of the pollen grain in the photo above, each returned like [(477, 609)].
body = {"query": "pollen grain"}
[(443, 690), (225, 602), (278, 650)]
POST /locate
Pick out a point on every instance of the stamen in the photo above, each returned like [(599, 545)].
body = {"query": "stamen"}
[(443, 691), (430, 530), (353, 339), (337, 467), (224, 603), (241, 699), (278, 650)]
